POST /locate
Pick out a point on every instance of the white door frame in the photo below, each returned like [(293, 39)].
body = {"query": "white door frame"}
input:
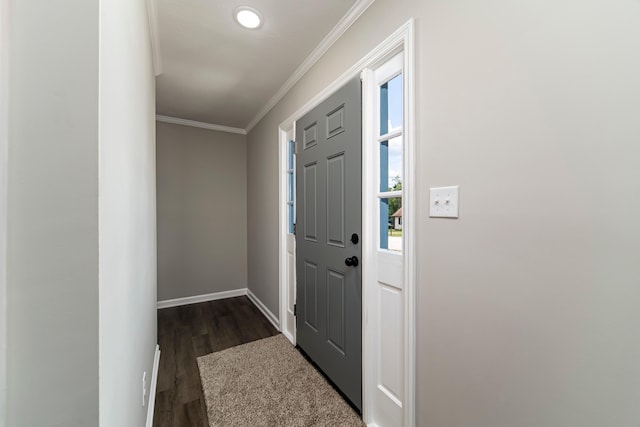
[(401, 40), (286, 266)]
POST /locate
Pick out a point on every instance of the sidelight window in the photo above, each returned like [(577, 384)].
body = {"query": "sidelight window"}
[(291, 191), (390, 154)]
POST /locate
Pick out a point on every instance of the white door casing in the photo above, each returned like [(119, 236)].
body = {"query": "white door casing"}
[(287, 240)]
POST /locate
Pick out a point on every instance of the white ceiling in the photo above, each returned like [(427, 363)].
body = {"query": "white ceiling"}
[(215, 71)]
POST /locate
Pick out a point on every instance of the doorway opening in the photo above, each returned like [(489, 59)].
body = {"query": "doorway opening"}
[(388, 233)]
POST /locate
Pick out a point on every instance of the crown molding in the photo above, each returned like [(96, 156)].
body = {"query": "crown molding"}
[(154, 35), (341, 27), (196, 124)]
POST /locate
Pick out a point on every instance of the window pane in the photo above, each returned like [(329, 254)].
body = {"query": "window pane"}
[(290, 186), (290, 195), (290, 217), (391, 105), (290, 155), (391, 164), (391, 224)]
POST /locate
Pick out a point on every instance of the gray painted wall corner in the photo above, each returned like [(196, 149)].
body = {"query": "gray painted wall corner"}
[(202, 211)]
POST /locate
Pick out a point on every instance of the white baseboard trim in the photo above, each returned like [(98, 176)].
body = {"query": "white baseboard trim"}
[(202, 298), (288, 336), (263, 308), (358, 8), (152, 389)]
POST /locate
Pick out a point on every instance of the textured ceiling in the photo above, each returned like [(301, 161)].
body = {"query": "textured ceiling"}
[(217, 72)]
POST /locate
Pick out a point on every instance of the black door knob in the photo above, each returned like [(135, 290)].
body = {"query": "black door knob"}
[(351, 262)]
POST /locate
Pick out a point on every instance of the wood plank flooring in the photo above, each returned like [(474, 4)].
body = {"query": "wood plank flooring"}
[(191, 331)]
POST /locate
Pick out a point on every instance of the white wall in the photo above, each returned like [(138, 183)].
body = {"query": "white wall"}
[(527, 304), (202, 211), (127, 212), (52, 272), (81, 269)]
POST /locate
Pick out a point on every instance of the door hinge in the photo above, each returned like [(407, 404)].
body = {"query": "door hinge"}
[(296, 147), (295, 309), (294, 228)]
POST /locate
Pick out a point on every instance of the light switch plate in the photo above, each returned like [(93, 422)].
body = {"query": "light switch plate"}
[(443, 202)]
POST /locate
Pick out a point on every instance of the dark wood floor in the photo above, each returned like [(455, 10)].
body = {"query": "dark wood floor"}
[(191, 331)]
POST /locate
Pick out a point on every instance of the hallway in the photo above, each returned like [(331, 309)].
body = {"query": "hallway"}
[(156, 206), (188, 332)]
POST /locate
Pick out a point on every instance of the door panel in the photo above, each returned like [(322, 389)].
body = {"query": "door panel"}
[(335, 200), (335, 309), (335, 122), (390, 323), (310, 135), (329, 169), (311, 295), (310, 202)]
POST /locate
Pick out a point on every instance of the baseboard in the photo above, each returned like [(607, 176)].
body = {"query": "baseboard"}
[(202, 298), (263, 308), (289, 337), (152, 389)]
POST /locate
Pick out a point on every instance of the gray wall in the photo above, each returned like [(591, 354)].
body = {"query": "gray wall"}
[(202, 211), (262, 210), (527, 304), (4, 138), (127, 212), (52, 270)]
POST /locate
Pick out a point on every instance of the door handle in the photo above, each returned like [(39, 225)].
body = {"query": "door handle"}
[(352, 262)]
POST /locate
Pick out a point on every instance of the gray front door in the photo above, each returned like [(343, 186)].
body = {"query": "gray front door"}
[(328, 238)]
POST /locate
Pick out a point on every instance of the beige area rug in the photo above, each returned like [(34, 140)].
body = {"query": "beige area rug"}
[(268, 383)]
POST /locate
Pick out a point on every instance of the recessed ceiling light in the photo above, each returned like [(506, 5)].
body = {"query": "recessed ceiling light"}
[(248, 17)]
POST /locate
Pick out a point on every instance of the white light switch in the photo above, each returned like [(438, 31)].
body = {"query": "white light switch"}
[(443, 202)]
